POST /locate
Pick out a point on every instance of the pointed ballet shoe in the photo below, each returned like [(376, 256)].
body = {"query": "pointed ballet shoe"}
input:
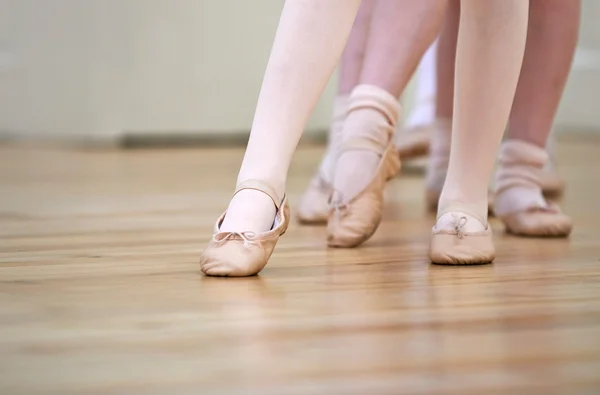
[(520, 202), (413, 142), (313, 208), (240, 254), (457, 247), (353, 222), (538, 222), (354, 219)]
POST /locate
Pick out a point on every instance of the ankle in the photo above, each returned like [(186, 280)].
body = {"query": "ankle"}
[(476, 208), (249, 211), (517, 199), (335, 137), (372, 115), (460, 220), (517, 180), (336, 126), (276, 182), (375, 98), (439, 154)]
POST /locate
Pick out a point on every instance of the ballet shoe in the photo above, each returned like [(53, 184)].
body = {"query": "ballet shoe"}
[(520, 202), (353, 222), (240, 254), (354, 219), (538, 222), (313, 207), (453, 245), (413, 142)]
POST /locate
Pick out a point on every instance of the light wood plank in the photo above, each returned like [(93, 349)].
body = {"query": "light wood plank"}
[(100, 291)]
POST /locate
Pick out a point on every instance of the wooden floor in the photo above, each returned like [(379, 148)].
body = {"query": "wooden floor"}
[(100, 290)]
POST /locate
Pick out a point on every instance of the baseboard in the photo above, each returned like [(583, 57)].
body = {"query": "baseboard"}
[(150, 139), (579, 105), (11, 136)]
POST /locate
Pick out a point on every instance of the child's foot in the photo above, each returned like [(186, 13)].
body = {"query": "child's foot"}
[(460, 238), (249, 211), (243, 247), (519, 198), (367, 159)]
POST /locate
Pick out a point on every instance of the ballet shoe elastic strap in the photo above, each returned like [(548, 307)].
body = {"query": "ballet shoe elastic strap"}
[(261, 186), (460, 208)]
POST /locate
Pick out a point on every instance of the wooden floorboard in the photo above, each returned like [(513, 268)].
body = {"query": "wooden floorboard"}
[(100, 290)]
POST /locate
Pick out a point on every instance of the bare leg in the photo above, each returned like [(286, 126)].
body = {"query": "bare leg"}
[(350, 70), (401, 32), (440, 132), (398, 35), (445, 65), (354, 53), (423, 112), (551, 41), (491, 43), (412, 138), (313, 207), (309, 41)]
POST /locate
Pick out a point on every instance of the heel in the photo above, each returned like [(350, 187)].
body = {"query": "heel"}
[(457, 247)]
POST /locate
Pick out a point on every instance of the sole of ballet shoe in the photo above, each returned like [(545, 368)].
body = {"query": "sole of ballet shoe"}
[(538, 224), (361, 216), (412, 142), (452, 248)]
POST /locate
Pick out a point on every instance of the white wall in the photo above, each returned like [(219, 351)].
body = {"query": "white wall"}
[(91, 70), (94, 69), (579, 107)]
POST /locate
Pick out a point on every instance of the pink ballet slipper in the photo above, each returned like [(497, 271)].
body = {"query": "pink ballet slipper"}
[(520, 203), (453, 244)]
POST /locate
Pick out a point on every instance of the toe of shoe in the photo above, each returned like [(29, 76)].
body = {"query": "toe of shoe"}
[(232, 261), (539, 224)]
